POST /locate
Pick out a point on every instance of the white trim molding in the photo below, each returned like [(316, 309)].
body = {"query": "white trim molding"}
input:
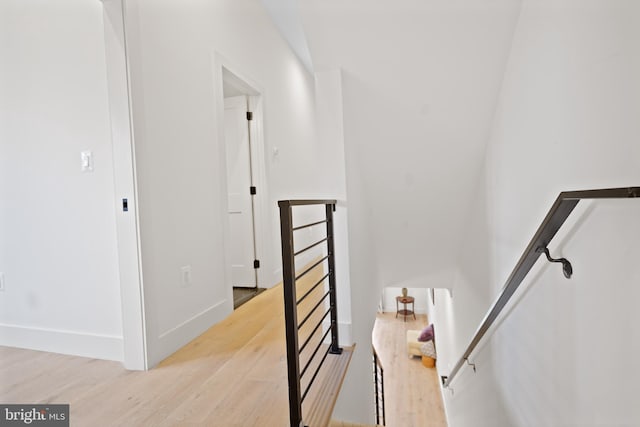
[(96, 346)]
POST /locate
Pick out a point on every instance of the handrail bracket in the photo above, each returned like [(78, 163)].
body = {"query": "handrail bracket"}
[(567, 269), (473, 365)]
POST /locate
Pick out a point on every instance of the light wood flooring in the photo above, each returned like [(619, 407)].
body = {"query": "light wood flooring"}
[(412, 392), (232, 375), (335, 423)]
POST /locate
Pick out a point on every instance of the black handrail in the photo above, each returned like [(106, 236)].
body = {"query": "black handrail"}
[(378, 384), (557, 215), (291, 302)]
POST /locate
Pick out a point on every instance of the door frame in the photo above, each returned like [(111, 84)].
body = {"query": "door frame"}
[(134, 339), (260, 181), (225, 70), (240, 104)]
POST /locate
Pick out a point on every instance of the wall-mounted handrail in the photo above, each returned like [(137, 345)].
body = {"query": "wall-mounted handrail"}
[(557, 215), (292, 326)]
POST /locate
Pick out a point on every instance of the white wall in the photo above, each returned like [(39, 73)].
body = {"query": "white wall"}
[(355, 401), (567, 119), (420, 83), (57, 224), (176, 50), (419, 86), (330, 134)]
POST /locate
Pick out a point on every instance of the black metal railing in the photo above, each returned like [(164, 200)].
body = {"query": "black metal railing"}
[(378, 384), (557, 215), (292, 303)]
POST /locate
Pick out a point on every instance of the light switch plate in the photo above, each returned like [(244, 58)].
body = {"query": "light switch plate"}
[(1, 282), (185, 276), (86, 159)]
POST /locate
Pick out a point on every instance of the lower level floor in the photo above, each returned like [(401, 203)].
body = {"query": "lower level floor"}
[(411, 390)]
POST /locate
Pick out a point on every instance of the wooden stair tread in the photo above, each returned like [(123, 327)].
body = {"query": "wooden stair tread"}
[(319, 403)]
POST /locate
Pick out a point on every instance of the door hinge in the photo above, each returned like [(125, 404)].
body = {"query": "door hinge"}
[(256, 263), (249, 115), (252, 190)]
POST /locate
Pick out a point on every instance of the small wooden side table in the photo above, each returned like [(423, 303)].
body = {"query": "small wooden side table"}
[(405, 311)]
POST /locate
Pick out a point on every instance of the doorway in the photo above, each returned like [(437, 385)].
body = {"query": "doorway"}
[(243, 164)]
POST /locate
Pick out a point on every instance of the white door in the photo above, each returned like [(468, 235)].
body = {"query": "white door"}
[(237, 143)]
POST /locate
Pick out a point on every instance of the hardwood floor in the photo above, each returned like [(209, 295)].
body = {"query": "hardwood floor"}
[(346, 424), (412, 392), (232, 375)]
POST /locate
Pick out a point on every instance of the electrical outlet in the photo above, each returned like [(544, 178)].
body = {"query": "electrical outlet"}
[(1, 282), (185, 276)]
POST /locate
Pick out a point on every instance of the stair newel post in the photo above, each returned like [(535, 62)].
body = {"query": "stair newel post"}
[(290, 314), (335, 347)]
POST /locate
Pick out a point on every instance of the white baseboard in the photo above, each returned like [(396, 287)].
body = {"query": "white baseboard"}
[(345, 337), (175, 338), (418, 310), (82, 344)]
